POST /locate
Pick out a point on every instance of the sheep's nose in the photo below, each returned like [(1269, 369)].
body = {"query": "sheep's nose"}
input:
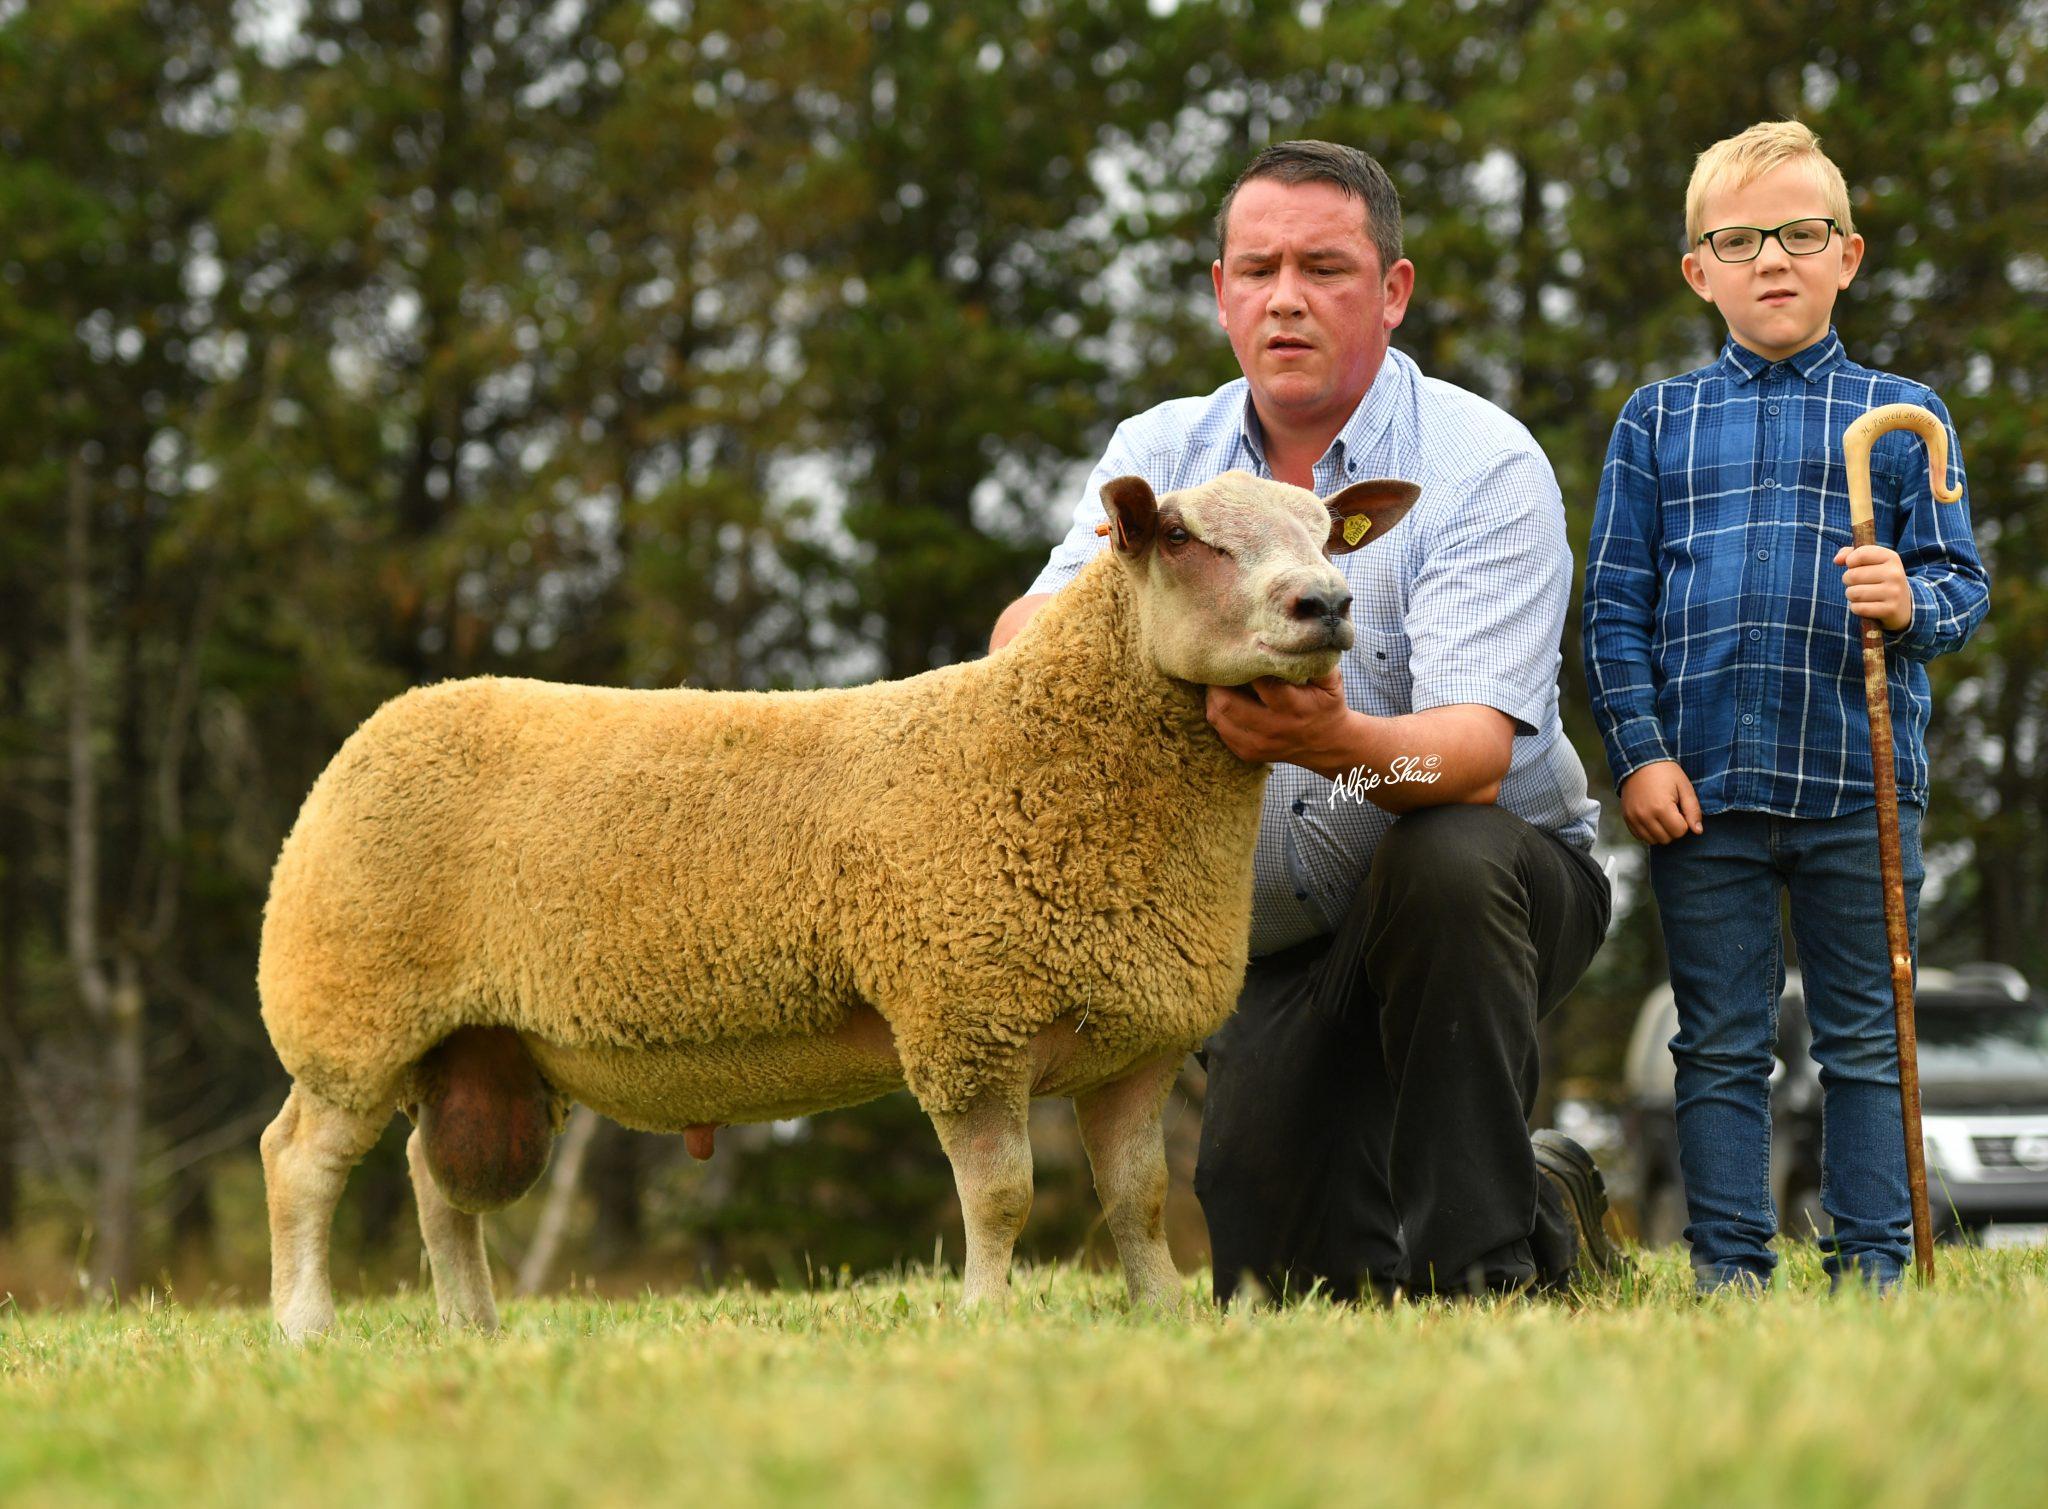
[(1322, 605)]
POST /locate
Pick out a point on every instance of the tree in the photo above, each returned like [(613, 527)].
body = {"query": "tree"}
[(94, 293)]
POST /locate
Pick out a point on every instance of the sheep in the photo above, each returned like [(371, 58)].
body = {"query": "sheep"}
[(1026, 875)]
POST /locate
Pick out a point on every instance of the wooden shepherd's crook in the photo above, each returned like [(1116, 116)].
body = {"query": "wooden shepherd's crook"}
[(1856, 444)]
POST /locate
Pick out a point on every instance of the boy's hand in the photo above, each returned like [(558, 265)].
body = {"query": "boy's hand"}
[(1658, 804), (1876, 580)]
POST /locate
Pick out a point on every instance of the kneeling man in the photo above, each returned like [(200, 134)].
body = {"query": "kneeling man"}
[(1425, 890)]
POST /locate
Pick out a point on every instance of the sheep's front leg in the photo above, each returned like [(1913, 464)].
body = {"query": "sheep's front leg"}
[(307, 1153), (1127, 1149), (455, 1248), (990, 1151)]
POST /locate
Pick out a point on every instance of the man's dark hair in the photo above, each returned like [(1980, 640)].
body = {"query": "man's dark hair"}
[(1326, 162)]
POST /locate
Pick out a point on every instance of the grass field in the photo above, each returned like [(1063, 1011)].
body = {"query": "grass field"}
[(879, 1393)]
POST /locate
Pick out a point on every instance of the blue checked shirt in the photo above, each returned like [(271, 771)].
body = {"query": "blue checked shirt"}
[(1464, 602), (1717, 631)]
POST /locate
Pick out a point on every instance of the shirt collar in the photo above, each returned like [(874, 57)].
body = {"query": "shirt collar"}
[(1361, 432), (1812, 364)]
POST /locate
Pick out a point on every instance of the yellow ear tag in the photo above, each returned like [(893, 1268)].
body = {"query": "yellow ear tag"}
[(1355, 526)]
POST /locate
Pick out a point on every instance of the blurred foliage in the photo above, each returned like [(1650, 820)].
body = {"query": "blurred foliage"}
[(752, 345)]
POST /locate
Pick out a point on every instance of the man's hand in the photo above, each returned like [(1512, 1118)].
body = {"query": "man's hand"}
[(1876, 583), (1273, 720), (1658, 804), (1466, 747), (1010, 622)]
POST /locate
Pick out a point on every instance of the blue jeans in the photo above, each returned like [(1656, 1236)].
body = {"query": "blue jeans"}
[(1717, 893)]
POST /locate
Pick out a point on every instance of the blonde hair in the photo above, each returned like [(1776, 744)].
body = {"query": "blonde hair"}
[(1742, 159)]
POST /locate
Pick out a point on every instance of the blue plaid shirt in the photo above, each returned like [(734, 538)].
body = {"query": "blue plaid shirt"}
[(1465, 602), (1717, 632)]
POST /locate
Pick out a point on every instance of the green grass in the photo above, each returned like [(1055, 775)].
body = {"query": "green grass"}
[(881, 1393)]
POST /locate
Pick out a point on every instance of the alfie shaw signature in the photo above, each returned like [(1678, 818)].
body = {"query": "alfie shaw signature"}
[(1357, 781)]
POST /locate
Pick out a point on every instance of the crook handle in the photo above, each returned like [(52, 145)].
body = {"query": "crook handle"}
[(1860, 436)]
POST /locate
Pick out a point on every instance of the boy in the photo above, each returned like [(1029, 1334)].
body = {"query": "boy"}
[(1726, 677)]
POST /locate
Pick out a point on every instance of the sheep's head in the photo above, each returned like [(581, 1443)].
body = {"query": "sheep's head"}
[(1234, 579)]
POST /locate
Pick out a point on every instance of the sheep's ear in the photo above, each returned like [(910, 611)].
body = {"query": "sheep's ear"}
[(1366, 510), (1133, 513)]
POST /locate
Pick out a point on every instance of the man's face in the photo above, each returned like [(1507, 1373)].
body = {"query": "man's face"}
[(1306, 304), (1778, 304)]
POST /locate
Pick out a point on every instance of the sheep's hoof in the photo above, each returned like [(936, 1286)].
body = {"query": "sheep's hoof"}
[(299, 1324), (986, 1299), (478, 1322), (1157, 1304)]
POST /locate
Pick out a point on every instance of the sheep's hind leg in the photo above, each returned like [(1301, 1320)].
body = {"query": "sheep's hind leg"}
[(307, 1153), (455, 1248), (1127, 1149), (990, 1151)]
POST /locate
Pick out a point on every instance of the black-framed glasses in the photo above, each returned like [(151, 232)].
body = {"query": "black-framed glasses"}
[(1745, 243)]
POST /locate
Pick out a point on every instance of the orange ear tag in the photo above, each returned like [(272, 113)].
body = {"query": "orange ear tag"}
[(1355, 526)]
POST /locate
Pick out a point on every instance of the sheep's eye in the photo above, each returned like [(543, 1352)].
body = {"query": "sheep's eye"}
[(1177, 535)]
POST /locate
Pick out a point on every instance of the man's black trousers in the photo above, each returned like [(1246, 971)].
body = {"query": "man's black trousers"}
[(1367, 1114)]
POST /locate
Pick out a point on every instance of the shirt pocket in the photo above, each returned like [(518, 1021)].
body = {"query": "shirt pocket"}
[(1824, 500), (1382, 685), (1703, 523)]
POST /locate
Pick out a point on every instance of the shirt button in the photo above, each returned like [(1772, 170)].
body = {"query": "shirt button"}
[(1770, 482), (1300, 807), (1755, 634), (1748, 718), (1763, 555), (1773, 409)]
